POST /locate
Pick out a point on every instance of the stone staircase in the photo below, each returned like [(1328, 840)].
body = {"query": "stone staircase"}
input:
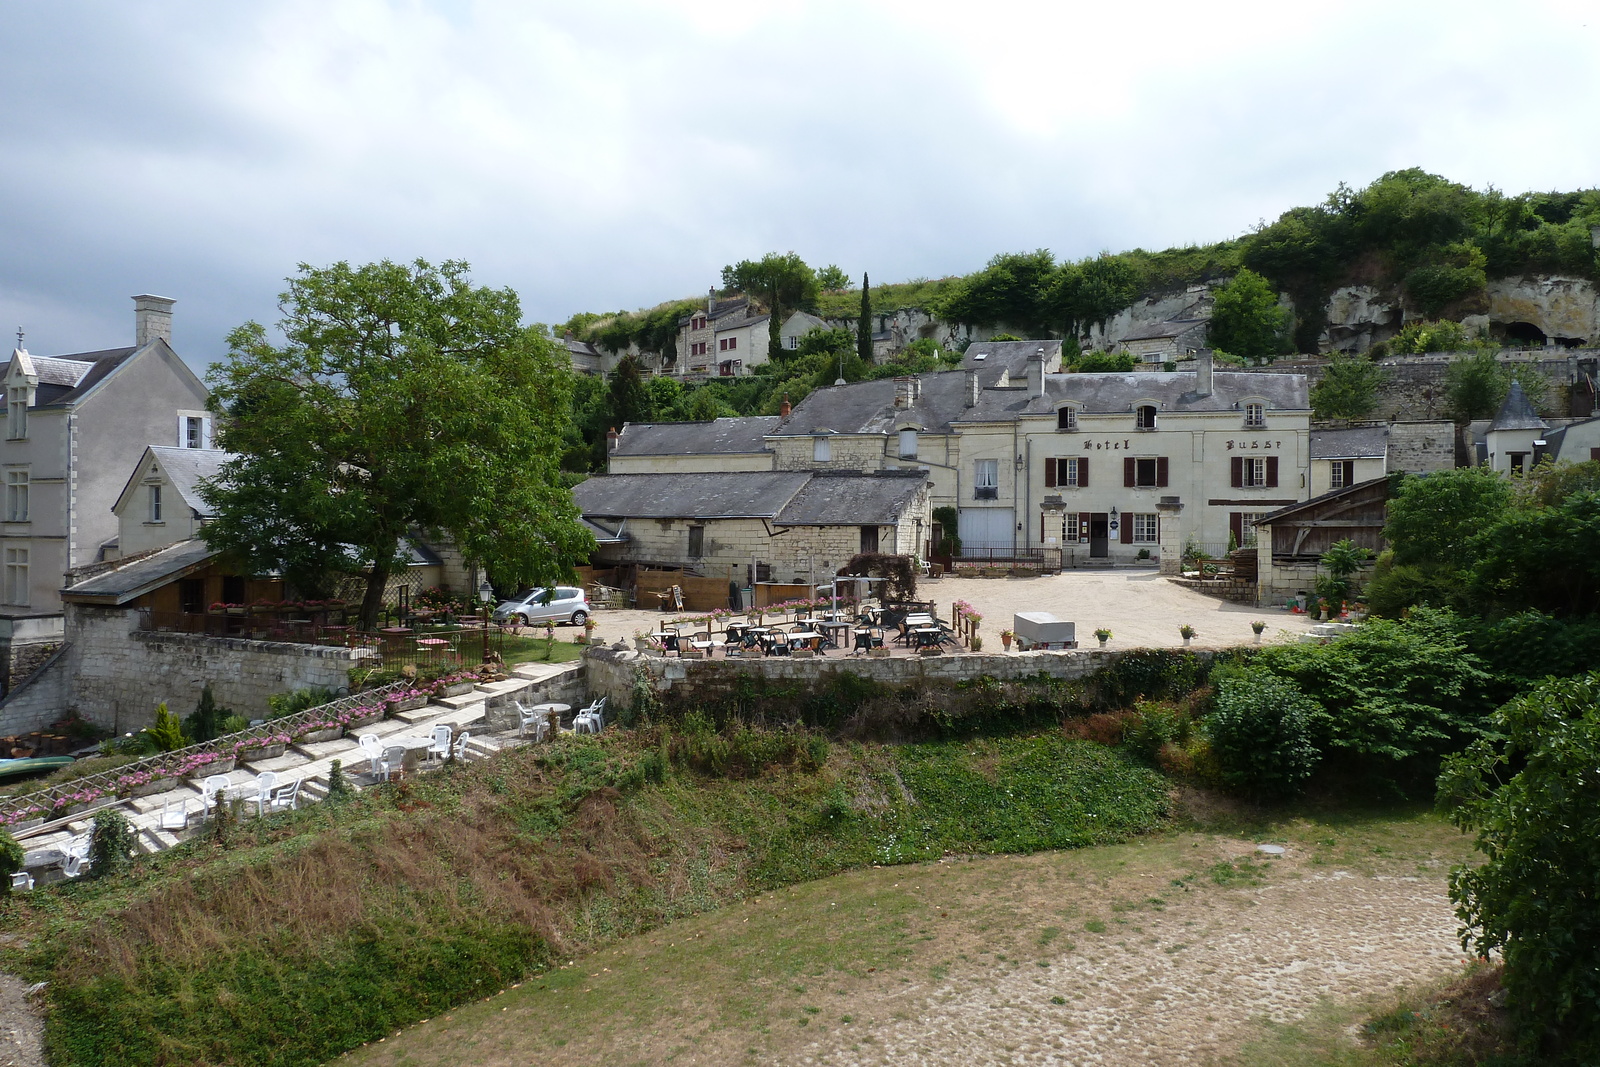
[(311, 764)]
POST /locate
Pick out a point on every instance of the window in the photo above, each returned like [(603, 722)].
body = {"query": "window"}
[(1242, 527), (908, 444), (869, 539), (17, 419), (1253, 472), (155, 503), (192, 596), (697, 323), (16, 590), (1146, 528), (1147, 473), (1255, 414), (1519, 462), (722, 344), (792, 342), (1145, 417), (697, 542), (1071, 473), (16, 496), (986, 479), (1066, 418), (194, 435), (821, 450), (1343, 473)]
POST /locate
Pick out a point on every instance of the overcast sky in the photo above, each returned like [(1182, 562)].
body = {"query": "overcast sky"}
[(604, 154)]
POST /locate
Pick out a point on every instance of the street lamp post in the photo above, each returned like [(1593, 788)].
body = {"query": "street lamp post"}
[(486, 595)]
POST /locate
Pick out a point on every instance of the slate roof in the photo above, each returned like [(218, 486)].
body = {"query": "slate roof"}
[(1307, 505), (715, 495), (64, 379), (1360, 442), (1517, 413), (785, 498), (719, 309), (996, 359), (724, 327), (717, 437), (1558, 436), (868, 407), (1112, 392), (185, 467), (1159, 330), (122, 584), (830, 499)]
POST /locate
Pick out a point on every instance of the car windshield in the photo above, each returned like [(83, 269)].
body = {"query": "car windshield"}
[(542, 596)]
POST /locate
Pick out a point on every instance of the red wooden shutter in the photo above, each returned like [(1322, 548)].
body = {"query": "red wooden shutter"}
[(1041, 527), (1161, 472), (1049, 473), (1238, 471), (1594, 453), (1083, 472), (1127, 528), (1272, 471), (1128, 468), (1083, 526), (1236, 526)]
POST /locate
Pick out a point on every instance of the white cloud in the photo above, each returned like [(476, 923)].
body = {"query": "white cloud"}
[(615, 153)]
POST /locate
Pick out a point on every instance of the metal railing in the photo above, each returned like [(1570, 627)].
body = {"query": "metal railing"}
[(106, 784)]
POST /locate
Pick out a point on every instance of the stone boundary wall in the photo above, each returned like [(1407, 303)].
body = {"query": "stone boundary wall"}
[(39, 699), (118, 674), (611, 671)]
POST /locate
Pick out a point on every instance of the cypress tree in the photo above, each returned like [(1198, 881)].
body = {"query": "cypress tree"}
[(864, 327)]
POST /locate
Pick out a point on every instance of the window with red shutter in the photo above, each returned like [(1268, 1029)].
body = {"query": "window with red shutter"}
[(1126, 528), (1161, 472), (1238, 472), (1049, 474), (1129, 467), (1272, 471), (1083, 473), (1236, 526)]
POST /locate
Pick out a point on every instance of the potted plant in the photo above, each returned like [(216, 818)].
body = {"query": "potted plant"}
[(360, 716), (1187, 632), (641, 641), (316, 732), (405, 700), (200, 764), (1005, 639), (270, 746), (1258, 626), (143, 783)]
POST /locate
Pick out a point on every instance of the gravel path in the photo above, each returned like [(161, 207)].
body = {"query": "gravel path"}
[(21, 1025), (1140, 607)]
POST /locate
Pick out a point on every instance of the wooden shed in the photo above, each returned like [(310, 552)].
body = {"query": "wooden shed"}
[(1300, 533)]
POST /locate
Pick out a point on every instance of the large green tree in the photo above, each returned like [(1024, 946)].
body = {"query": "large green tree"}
[(402, 398), (781, 281), (1348, 389), (864, 322), (1246, 319)]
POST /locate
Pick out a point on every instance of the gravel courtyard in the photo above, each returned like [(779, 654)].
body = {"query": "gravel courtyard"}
[(1140, 607)]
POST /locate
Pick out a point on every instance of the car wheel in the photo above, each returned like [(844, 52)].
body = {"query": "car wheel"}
[(579, 617), (519, 619)]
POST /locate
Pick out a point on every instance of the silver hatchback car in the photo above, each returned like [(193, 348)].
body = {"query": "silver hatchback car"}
[(562, 603)]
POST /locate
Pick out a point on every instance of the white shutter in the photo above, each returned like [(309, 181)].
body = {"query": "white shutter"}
[(205, 432), (183, 431)]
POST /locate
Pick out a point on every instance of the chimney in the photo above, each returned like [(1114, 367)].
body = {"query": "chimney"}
[(906, 391), (784, 408), (152, 318), (972, 388), (711, 302), (611, 440), (1202, 372), (1036, 373)]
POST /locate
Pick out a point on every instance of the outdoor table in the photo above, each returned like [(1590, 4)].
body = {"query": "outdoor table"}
[(432, 644), (668, 639), (834, 631), (415, 748), (927, 636), (804, 637), (554, 712)]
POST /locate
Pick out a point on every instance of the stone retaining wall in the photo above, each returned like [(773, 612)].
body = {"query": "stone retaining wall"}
[(611, 671), (567, 687), (118, 674), (1235, 590)]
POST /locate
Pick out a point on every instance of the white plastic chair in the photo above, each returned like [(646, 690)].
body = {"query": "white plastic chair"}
[(175, 819), (285, 797), (461, 746), (77, 856), (214, 790), (372, 748), (536, 717), (591, 719), (394, 760), (439, 750), (265, 783), (21, 881)]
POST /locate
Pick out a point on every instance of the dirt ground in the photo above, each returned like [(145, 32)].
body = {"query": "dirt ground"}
[(1171, 950), (1141, 608), (21, 1026)]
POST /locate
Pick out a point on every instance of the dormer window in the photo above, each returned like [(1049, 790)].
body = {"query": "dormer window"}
[(1067, 418), (1255, 414), (155, 503), (908, 444), (17, 416), (1145, 416)]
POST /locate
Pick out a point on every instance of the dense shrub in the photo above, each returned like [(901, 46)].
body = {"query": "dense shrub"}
[(1260, 733), (11, 857), (110, 844), (1531, 794)]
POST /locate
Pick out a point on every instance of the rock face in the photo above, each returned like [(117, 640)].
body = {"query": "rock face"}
[(1359, 316), (1193, 302), (1565, 310)]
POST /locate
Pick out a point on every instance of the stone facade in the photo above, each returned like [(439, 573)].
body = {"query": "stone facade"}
[(119, 674), (1415, 390)]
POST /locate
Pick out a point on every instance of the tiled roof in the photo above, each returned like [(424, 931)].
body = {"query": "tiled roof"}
[(122, 584), (695, 438), (716, 495), (186, 467), (1173, 391), (868, 407), (853, 499), (1360, 442), (1160, 330), (1517, 413), (994, 359)]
